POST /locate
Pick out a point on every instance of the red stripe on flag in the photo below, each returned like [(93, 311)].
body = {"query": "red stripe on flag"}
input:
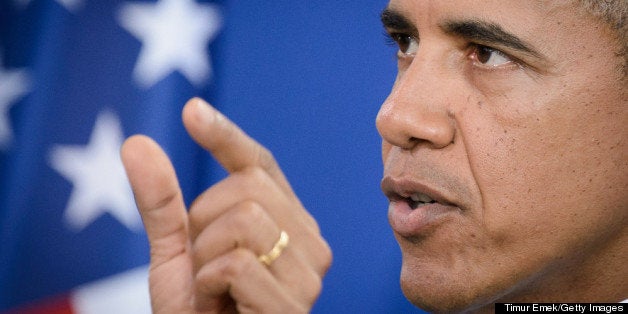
[(58, 305)]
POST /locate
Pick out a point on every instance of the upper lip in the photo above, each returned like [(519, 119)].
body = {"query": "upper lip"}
[(402, 189)]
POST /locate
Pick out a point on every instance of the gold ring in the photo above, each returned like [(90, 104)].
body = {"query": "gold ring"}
[(274, 253)]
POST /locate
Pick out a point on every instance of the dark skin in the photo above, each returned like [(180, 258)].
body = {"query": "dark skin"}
[(504, 159), (206, 260), (516, 133)]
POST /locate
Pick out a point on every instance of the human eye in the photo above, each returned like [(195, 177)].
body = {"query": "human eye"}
[(488, 57), (408, 45)]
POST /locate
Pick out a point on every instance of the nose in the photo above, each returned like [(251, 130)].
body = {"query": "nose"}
[(417, 111)]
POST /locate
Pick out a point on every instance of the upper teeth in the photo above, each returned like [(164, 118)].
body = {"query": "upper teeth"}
[(421, 198)]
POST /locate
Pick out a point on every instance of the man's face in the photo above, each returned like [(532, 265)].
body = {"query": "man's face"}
[(505, 154)]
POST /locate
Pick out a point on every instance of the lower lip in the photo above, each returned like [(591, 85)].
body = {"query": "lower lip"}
[(409, 222)]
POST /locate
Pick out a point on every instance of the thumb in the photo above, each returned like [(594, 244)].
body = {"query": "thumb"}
[(158, 197)]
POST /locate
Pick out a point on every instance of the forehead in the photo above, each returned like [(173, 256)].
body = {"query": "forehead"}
[(505, 10), (552, 26)]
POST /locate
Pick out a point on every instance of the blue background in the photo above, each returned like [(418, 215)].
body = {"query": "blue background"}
[(304, 78)]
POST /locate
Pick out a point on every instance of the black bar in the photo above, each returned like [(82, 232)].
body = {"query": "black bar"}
[(582, 308)]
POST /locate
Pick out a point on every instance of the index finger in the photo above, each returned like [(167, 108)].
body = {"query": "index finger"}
[(231, 147)]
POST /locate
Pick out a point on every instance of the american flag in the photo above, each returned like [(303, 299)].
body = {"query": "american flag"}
[(77, 77)]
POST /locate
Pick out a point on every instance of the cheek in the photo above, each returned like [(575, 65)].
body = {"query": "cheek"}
[(545, 178)]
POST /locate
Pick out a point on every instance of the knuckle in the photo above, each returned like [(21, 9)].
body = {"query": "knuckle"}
[(255, 177), (308, 288), (317, 287), (325, 257), (265, 157), (230, 268), (248, 214), (163, 202), (313, 288), (311, 222), (255, 174), (239, 263)]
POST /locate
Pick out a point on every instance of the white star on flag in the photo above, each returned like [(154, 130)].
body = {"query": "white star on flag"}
[(13, 85), (98, 176), (174, 35)]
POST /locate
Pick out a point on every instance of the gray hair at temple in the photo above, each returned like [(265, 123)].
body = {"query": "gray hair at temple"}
[(614, 13)]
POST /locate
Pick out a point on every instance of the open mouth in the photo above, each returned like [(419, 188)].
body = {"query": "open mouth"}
[(419, 200)]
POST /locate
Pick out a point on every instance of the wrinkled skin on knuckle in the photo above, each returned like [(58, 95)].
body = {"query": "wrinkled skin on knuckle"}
[(247, 217), (232, 267), (238, 264)]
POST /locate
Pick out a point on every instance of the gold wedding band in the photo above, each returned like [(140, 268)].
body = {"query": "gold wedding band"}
[(274, 253)]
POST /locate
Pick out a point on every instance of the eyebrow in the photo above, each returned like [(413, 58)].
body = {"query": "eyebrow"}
[(474, 30), (397, 21), (487, 33)]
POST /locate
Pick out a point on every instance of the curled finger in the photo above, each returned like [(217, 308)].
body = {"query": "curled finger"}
[(244, 225), (239, 278)]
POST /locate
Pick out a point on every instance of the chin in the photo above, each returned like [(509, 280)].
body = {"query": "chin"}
[(444, 291)]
